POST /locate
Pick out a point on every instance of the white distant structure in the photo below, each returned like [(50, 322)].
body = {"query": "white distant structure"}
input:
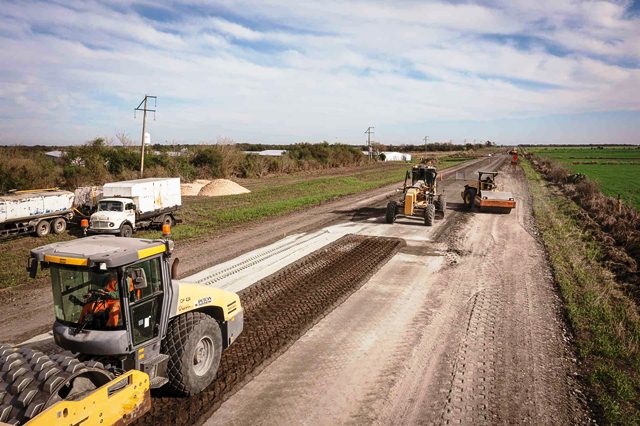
[(54, 154), (269, 152), (396, 156)]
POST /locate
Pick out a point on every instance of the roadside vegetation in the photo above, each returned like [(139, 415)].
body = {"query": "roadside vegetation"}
[(601, 309), (97, 162), (614, 168)]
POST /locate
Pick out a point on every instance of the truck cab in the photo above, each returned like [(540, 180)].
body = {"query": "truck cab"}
[(114, 216), (115, 302)]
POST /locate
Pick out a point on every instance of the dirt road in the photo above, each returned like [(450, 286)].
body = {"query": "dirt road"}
[(461, 326)]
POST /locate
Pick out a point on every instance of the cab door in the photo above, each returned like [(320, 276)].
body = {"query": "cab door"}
[(144, 283)]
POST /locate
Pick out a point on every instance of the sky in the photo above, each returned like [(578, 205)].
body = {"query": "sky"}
[(266, 71)]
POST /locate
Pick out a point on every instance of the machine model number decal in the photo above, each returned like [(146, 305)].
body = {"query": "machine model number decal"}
[(203, 301)]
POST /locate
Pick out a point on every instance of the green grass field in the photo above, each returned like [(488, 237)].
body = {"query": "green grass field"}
[(604, 319), (616, 169)]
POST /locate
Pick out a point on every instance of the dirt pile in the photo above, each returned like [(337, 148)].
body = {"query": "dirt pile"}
[(192, 189), (220, 187)]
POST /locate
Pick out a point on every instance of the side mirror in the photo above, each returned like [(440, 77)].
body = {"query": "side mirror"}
[(139, 279), (32, 267)]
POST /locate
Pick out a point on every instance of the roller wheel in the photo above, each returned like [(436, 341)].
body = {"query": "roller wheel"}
[(429, 214), (58, 225), (126, 230), (31, 381), (43, 228), (391, 212), (443, 204), (469, 198), (194, 346)]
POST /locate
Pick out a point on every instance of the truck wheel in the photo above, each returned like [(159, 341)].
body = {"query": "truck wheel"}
[(429, 215), (194, 346), (59, 225), (126, 230), (168, 220), (391, 212), (43, 228)]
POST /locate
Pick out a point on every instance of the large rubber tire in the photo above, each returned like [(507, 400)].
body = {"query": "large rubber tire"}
[(126, 230), (429, 215), (187, 334), (391, 212), (469, 198), (441, 204), (31, 381), (43, 228), (58, 225)]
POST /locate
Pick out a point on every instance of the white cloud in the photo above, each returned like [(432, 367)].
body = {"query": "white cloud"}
[(281, 72)]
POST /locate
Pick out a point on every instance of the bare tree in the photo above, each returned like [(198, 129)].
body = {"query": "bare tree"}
[(125, 140)]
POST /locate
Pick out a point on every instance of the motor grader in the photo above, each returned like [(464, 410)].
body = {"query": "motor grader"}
[(484, 194), (419, 198), (129, 327)]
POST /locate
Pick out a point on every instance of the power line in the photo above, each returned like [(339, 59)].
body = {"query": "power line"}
[(144, 109)]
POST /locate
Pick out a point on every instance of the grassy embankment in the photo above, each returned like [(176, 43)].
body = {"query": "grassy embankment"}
[(616, 169), (270, 197), (605, 321)]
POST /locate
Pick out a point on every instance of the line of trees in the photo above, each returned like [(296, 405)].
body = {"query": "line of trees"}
[(97, 162)]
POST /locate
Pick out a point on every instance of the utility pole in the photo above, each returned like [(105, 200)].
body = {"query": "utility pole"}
[(426, 141), (144, 125), (368, 132)]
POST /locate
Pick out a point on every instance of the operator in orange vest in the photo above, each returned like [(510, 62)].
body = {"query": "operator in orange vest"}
[(105, 302)]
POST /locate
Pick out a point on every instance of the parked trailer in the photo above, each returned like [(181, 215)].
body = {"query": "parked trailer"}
[(131, 205), (37, 211)]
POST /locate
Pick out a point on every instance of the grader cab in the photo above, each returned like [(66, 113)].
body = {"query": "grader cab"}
[(419, 198)]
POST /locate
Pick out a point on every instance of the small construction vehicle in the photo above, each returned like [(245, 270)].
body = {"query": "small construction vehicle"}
[(419, 200), (131, 327), (514, 156), (483, 193)]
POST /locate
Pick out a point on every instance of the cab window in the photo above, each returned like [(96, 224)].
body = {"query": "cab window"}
[(153, 272), (145, 303)]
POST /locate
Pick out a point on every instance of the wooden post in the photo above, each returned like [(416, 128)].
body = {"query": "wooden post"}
[(619, 205)]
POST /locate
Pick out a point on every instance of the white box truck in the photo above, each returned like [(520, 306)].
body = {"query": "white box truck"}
[(39, 212), (134, 204)]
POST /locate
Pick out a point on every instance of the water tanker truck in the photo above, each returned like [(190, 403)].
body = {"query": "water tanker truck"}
[(37, 212), (135, 204)]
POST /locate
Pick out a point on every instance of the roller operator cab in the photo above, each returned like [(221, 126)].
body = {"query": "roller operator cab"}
[(483, 193), (115, 302)]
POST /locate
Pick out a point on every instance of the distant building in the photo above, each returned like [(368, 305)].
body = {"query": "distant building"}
[(55, 154), (268, 152), (396, 156)]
